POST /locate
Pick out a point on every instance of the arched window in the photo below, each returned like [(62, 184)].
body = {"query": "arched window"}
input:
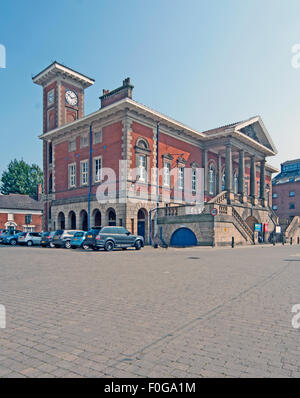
[(223, 180), (142, 151), (211, 180), (111, 217), (235, 182), (50, 184)]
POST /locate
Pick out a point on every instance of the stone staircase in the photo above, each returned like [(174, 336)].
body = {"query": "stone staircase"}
[(242, 226), (292, 227)]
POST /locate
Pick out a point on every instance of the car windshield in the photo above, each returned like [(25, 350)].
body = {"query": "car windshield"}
[(94, 231), (46, 233), (78, 234), (59, 232), (23, 234)]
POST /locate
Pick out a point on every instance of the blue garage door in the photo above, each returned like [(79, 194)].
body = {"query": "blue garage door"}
[(183, 237)]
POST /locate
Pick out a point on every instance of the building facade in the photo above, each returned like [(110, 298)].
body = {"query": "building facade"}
[(286, 190), (20, 212), (79, 149)]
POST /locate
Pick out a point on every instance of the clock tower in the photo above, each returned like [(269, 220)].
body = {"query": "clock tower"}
[(63, 102)]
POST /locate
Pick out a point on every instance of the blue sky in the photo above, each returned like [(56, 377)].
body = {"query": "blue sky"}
[(203, 62)]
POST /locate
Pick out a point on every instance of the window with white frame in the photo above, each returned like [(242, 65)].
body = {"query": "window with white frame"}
[(180, 177), (167, 174), (84, 141), (97, 137), (194, 180), (72, 145), (84, 172), (72, 175), (235, 183), (211, 180), (142, 167), (97, 169)]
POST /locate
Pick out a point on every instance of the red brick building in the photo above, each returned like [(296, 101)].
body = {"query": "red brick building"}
[(20, 212), (77, 148), (286, 190)]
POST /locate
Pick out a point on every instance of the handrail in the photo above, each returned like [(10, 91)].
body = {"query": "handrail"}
[(243, 224)]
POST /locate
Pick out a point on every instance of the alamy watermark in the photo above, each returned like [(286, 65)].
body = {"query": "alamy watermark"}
[(176, 185), (2, 317), (296, 318), (2, 56)]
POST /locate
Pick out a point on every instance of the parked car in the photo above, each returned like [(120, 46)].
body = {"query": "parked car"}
[(46, 240), (109, 238), (30, 238), (62, 238), (3, 232), (90, 237), (11, 239), (78, 240)]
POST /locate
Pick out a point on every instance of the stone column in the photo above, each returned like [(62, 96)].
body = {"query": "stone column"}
[(241, 178), (219, 183), (228, 168), (262, 179), (252, 176), (205, 166)]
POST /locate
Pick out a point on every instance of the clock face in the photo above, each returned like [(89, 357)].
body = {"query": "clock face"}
[(71, 98), (50, 97)]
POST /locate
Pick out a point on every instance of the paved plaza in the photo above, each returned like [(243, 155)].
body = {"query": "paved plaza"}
[(194, 312)]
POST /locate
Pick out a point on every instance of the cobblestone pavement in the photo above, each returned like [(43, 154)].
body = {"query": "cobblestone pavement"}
[(198, 312)]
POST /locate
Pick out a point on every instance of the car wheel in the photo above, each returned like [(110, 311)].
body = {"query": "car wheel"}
[(138, 245), (124, 248), (73, 247), (109, 246), (68, 244), (13, 242), (52, 245), (29, 243), (85, 247)]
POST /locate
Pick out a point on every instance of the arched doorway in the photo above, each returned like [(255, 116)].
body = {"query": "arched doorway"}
[(183, 237), (111, 217), (251, 221), (142, 222), (72, 220), (84, 220), (61, 221), (97, 218)]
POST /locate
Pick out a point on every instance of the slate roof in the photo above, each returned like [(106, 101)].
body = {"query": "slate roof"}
[(20, 202)]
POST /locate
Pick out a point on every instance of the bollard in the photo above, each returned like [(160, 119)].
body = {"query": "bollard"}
[(298, 240), (291, 241), (232, 242), (274, 243)]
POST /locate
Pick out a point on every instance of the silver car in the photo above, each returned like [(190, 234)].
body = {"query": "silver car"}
[(30, 238)]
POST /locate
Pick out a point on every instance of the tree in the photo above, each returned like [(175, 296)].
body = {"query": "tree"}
[(21, 177)]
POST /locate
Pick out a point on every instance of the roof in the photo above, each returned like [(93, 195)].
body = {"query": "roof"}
[(57, 68), (291, 162), (20, 202), (234, 129)]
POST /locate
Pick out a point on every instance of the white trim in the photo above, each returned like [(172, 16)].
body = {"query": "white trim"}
[(69, 175), (18, 211), (83, 184), (94, 169)]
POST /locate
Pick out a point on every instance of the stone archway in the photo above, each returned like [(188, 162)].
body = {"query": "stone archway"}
[(111, 217), (83, 220), (61, 223), (97, 217), (72, 220), (142, 223), (251, 221)]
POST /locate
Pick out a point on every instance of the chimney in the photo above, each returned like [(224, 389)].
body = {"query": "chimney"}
[(109, 97), (39, 192)]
